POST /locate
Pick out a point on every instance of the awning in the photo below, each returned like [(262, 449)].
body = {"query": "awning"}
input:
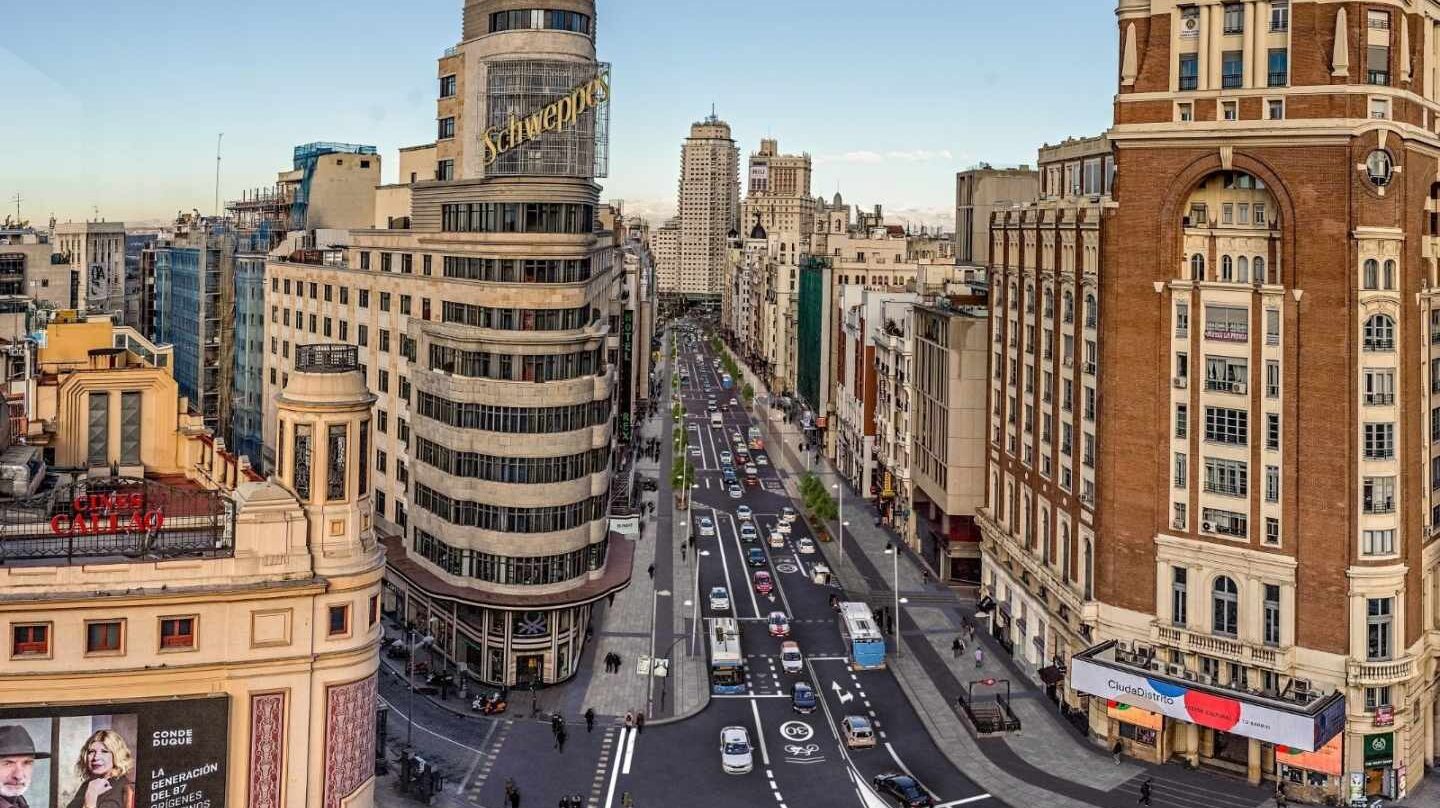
[(985, 605), (1052, 674)]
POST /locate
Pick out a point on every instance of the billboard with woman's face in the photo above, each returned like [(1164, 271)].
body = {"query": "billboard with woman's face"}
[(159, 754)]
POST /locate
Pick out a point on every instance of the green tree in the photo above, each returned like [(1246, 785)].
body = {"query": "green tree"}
[(747, 393)]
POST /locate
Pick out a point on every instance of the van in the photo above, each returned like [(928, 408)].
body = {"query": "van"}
[(717, 421)]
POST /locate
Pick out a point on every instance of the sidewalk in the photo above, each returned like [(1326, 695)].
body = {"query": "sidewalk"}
[(1048, 763)]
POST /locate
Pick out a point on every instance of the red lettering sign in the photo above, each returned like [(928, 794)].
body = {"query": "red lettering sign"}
[(100, 514)]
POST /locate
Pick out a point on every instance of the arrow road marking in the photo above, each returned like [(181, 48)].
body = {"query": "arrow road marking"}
[(844, 695)]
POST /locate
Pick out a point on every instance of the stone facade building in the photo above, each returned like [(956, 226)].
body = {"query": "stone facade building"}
[(709, 212), (491, 327)]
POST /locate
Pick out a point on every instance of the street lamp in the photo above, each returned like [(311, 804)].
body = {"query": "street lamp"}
[(841, 489), (650, 680), (425, 642), (695, 618), (894, 552)]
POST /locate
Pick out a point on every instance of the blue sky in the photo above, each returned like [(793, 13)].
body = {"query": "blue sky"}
[(117, 105)]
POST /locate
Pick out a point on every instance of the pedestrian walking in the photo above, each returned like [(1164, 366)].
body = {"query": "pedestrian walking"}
[(651, 572), (619, 662), (626, 801), (956, 648), (512, 795), (560, 740), (611, 599), (1145, 792), (1116, 750), (589, 720), (1280, 799), (629, 719), (979, 657), (682, 552), (639, 722)]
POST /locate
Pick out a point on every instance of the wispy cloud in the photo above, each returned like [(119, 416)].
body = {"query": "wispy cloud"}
[(867, 157)]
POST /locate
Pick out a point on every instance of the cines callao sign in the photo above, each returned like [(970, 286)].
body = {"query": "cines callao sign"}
[(553, 117)]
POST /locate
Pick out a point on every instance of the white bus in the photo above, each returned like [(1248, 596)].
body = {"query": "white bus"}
[(862, 636), (727, 663)]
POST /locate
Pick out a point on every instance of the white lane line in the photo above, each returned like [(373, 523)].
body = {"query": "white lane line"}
[(630, 749), (760, 734), (740, 554), (749, 696), (423, 729), (965, 801), (724, 562), (615, 772)]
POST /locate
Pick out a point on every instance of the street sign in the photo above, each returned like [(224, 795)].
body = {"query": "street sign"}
[(661, 668), (642, 666)]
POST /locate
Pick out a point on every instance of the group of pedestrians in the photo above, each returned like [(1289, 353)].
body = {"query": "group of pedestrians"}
[(612, 662), (635, 720), (967, 635)]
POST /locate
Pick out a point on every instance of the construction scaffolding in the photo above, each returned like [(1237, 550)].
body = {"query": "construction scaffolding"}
[(523, 87)]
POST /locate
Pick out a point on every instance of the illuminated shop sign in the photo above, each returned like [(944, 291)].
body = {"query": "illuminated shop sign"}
[(553, 117), (160, 754)]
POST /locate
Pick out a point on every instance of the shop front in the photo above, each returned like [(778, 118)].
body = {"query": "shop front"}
[(1252, 735), (1382, 777), (1310, 776)]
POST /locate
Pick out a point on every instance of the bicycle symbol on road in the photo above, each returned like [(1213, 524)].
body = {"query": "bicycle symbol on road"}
[(804, 755)]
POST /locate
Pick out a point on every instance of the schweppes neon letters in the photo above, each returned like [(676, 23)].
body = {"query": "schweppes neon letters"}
[(550, 118)]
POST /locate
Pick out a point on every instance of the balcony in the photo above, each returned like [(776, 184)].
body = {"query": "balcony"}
[(1379, 399), (1380, 77), (1379, 344), (1379, 674), (1232, 81), (1195, 642), (1189, 82), (1278, 79)]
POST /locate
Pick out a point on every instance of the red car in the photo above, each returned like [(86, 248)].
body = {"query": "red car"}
[(779, 624), (763, 584)]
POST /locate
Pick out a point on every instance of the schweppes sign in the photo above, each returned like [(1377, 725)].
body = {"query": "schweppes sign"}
[(553, 117)]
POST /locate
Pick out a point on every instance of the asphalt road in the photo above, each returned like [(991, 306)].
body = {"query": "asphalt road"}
[(799, 759)]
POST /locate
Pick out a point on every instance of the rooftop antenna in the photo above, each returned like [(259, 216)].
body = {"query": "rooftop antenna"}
[(16, 199), (218, 141)]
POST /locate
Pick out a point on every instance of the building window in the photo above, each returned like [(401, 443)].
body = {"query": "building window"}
[(1271, 630), (447, 86), (1379, 615), (1182, 420), (1182, 319), (301, 462), (1224, 523), (1379, 441), (1379, 165), (445, 170), (1272, 431), (1225, 425), (1197, 261), (1274, 111), (130, 426), (1272, 531), (1180, 519), (1225, 605), (177, 632), (1179, 611), (1232, 69), (30, 640), (1278, 64), (1185, 112), (1378, 494), (1189, 71), (1181, 466), (339, 624), (1379, 542), (374, 612), (1279, 15), (1377, 62), (1229, 111), (99, 432), (103, 637), (1272, 483), (1376, 697), (1228, 477)]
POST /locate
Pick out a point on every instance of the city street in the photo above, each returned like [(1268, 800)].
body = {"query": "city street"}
[(800, 759)]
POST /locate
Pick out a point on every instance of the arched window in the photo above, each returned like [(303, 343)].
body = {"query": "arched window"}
[(1372, 274), (1045, 551), (1029, 299), (1049, 302), (1069, 307), (1225, 605), (1380, 333), (1014, 296), (1227, 268), (1389, 277), (1242, 269), (1259, 265), (1090, 310), (1197, 267), (1065, 570)]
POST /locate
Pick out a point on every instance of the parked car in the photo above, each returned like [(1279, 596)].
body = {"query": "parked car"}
[(858, 731), (736, 756), (720, 599), (791, 660), (779, 624), (707, 526), (764, 584), (903, 790), (802, 698)]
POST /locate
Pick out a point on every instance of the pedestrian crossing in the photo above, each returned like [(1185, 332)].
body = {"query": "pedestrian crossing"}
[(608, 750), (480, 771), (1175, 793)]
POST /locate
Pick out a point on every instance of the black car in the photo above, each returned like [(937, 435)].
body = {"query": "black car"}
[(905, 790)]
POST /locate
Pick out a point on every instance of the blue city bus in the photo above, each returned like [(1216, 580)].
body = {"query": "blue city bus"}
[(863, 638), (727, 663)]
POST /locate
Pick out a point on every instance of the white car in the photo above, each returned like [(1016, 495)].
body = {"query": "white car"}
[(719, 599), (747, 532), (695, 450), (783, 526), (790, 659), (734, 491), (777, 539), (707, 526), (787, 513), (735, 754), (726, 459), (733, 402), (762, 460), (805, 545), (744, 513)]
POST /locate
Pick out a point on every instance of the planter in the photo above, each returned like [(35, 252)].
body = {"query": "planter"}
[(680, 503)]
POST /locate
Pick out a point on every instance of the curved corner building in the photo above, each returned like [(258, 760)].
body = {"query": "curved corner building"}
[(487, 322)]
